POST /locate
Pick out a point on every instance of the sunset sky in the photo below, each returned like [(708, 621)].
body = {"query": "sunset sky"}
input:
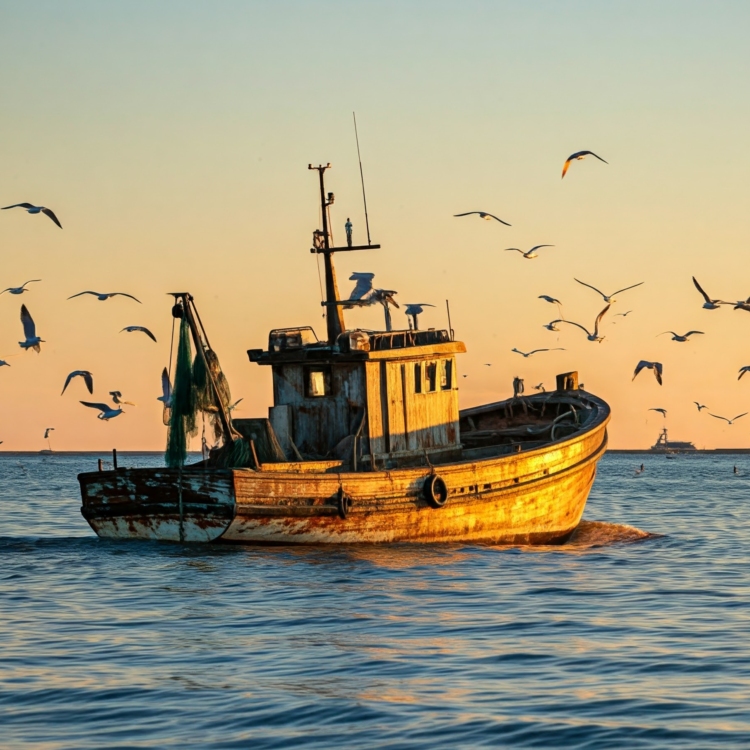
[(172, 141)]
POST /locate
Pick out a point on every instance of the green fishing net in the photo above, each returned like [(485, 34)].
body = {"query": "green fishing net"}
[(182, 420)]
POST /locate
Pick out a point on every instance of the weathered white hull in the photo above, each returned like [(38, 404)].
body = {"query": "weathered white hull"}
[(533, 496)]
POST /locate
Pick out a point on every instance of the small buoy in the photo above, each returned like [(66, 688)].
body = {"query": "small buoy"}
[(343, 503)]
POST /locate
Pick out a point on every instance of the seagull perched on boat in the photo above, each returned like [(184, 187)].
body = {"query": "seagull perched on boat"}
[(663, 412), (577, 156), (534, 351), (701, 407), (19, 289), (483, 215), (657, 367), (709, 304), (29, 330), (589, 335), (143, 329), (117, 398), (743, 370), (677, 337), (107, 412), (728, 421), (530, 254), (88, 378), (101, 296), (610, 297), (414, 310), (166, 389), (32, 209)]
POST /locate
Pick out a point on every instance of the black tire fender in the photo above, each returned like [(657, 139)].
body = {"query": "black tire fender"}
[(436, 491), (343, 503)]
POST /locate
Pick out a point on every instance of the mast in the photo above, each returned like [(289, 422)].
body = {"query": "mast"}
[(334, 314)]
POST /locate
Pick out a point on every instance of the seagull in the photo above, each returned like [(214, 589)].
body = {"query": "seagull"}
[(363, 290), (657, 367), (709, 304), (107, 412), (29, 330), (703, 406), (677, 337), (415, 309), (483, 215), (130, 329), (233, 406), (166, 389), (534, 351), (3, 363), (578, 155), (529, 253), (728, 421), (640, 470), (540, 387), (117, 398), (547, 298), (625, 314), (32, 209), (19, 289), (47, 432), (663, 412), (610, 297), (551, 326), (101, 296), (88, 378), (743, 304), (591, 336), (743, 370)]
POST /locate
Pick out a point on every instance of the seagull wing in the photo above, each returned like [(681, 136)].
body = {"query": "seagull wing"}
[(497, 219), (690, 333), (590, 287), (643, 363), (96, 294), (700, 289), (68, 379), (101, 407), (27, 282), (517, 249), (658, 368), (364, 285), (586, 330), (626, 288), (50, 213), (591, 153), (122, 294), (743, 370), (29, 329), (20, 205), (166, 386), (468, 213), (716, 416), (744, 413), (599, 320), (88, 378), (143, 329), (536, 247)]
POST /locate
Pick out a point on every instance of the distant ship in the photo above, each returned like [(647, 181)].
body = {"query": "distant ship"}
[(665, 445)]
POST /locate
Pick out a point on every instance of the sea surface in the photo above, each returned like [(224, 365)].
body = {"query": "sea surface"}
[(634, 635)]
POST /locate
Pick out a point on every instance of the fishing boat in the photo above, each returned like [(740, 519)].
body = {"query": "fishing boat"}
[(364, 443)]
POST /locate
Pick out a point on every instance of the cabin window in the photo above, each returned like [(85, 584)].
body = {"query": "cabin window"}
[(417, 377), (317, 382), (446, 374), (430, 376)]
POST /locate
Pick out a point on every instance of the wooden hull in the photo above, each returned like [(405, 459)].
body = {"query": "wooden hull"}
[(531, 497)]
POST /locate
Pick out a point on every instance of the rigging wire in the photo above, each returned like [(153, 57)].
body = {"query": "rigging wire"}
[(362, 178)]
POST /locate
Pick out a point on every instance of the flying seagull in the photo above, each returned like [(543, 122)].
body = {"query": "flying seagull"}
[(107, 412), (625, 314), (166, 389), (529, 253), (728, 421), (703, 406), (233, 406), (19, 289), (540, 387), (677, 337), (88, 378), (743, 304), (483, 215), (117, 398), (32, 209), (578, 155), (743, 370), (709, 304), (657, 367), (610, 297), (130, 329), (549, 299), (590, 336), (29, 330), (101, 296), (663, 412), (534, 351), (47, 432), (551, 325)]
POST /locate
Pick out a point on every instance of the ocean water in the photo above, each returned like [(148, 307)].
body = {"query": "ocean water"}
[(634, 635)]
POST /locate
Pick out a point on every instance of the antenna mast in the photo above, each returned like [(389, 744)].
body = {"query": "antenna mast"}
[(362, 178)]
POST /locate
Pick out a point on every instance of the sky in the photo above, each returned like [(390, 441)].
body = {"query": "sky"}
[(172, 141)]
